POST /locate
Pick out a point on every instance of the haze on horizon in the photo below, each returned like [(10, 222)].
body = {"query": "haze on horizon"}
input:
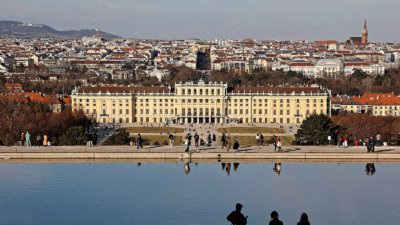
[(179, 19)]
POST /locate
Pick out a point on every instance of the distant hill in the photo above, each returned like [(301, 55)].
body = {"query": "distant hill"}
[(13, 29)]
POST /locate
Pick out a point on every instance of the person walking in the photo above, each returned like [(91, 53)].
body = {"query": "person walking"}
[(276, 143), (378, 140), (257, 140), (261, 139), (368, 144), (236, 145), (223, 141), (303, 220), (28, 139), (186, 144), (22, 139), (279, 144), (228, 146), (214, 139), (345, 141), (236, 217), (275, 219), (196, 140), (90, 137), (372, 144), (209, 139), (171, 139), (38, 140), (45, 140), (339, 140), (139, 141)]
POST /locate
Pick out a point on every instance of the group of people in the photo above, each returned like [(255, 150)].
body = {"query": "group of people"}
[(225, 141), (342, 140), (370, 142), (26, 140), (237, 218), (259, 139)]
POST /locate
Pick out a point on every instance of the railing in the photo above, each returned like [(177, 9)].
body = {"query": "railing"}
[(277, 94), (123, 94), (104, 115)]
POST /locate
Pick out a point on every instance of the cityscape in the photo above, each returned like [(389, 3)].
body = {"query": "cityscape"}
[(166, 122)]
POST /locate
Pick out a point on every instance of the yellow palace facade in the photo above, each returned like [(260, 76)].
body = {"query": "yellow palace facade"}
[(201, 103)]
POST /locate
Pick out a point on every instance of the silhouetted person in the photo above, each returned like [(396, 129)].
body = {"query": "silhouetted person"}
[(236, 217), (196, 140), (139, 141), (235, 166), (372, 144), (236, 145), (368, 144), (303, 220), (223, 166), (275, 219)]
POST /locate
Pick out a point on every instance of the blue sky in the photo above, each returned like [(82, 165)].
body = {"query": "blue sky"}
[(238, 19)]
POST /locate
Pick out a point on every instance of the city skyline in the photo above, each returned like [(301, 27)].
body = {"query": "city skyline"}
[(260, 20)]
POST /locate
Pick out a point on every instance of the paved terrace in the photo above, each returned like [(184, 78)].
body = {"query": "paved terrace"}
[(201, 149)]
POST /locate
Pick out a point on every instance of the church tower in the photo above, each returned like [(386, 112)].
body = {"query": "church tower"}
[(365, 33)]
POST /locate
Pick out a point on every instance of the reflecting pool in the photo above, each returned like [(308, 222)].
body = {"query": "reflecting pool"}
[(205, 193)]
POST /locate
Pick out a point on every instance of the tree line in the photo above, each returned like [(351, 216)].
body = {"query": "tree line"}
[(17, 117)]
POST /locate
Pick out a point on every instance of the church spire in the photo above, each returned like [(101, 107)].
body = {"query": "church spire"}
[(365, 33)]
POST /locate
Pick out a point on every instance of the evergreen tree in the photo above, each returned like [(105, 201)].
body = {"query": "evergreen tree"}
[(74, 136), (317, 128)]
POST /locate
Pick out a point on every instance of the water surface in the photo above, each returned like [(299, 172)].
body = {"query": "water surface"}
[(125, 193)]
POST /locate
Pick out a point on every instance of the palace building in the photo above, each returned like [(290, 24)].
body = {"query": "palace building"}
[(202, 102)]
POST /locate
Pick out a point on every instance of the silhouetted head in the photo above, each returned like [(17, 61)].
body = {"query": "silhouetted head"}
[(239, 206), (304, 218), (274, 215)]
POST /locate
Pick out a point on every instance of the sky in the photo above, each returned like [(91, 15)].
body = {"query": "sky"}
[(211, 19)]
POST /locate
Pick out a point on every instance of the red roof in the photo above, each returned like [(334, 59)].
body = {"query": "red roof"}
[(327, 42), (32, 96), (14, 85), (388, 101), (301, 64), (357, 64)]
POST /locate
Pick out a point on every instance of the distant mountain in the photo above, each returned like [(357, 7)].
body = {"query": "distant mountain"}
[(14, 29)]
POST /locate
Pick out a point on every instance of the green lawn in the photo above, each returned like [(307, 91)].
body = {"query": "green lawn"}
[(150, 139), (152, 129), (241, 130), (251, 140)]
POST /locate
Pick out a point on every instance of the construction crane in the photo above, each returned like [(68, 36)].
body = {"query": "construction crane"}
[(100, 34)]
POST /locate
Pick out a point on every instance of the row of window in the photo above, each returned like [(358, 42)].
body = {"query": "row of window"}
[(189, 91)]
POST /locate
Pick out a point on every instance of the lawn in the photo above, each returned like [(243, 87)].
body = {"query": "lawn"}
[(251, 140), (250, 130), (150, 139), (152, 129)]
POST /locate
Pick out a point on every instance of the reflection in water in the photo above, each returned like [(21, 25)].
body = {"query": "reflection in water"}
[(278, 168), (235, 166), (138, 164), (187, 168), (228, 168), (223, 166), (370, 169)]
